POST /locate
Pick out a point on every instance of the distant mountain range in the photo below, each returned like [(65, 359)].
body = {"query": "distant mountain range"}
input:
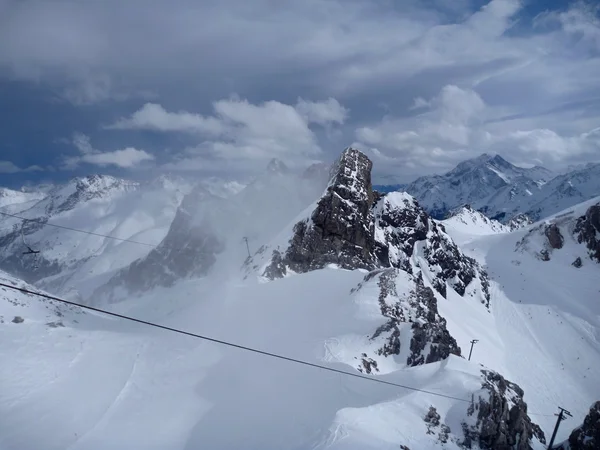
[(501, 190)]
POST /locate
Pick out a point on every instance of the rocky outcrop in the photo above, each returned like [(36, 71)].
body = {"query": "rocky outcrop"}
[(587, 231), (401, 224), (497, 418), (519, 221), (412, 319), (555, 238), (434, 426), (340, 229), (587, 436)]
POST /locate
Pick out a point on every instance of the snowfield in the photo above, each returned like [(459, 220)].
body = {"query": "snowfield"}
[(80, 380)]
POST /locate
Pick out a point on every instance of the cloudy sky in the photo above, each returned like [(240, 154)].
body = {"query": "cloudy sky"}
[(219, 87)]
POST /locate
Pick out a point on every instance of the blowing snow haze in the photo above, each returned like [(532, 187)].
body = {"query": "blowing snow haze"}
[(299, 225)]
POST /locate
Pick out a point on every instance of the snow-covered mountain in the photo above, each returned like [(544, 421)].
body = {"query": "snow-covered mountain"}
[(502, 191), (565, 191), (71, 261), (469, 222), (11, 197), (486, 180), (343, 277)]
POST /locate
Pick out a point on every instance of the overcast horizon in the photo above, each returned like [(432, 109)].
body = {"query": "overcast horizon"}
[(220, 88)]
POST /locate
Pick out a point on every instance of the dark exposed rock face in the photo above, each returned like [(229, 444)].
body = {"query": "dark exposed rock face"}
[(415, 310), (587, 230), (587, 436), (434, 425), (554, 236), (501, 420), (401, 223), (340, 229)]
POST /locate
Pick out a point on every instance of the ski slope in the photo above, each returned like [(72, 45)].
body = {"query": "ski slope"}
[(99, 382)]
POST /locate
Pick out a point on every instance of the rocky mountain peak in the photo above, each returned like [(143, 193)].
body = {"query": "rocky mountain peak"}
[(277, 166), (340, 228), (98, 183), (354, 228), (351, 176), (64, 198)]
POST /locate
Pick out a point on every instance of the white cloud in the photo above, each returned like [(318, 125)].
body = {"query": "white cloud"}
[(124, 158), (323, 113), (455, 127), (509, 87), (240, 130), (82, 142), (153, 116)]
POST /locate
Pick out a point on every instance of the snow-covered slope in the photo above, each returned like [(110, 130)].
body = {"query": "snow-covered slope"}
[(389, 294), (465, 222), (11, 197), (208, 229), (565, 191), (101, 205)]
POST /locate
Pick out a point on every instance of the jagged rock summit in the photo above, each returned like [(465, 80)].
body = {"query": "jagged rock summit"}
[(353, 227), (340, 228)]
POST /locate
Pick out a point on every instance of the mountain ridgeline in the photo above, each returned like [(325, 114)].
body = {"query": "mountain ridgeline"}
[(502, 190)]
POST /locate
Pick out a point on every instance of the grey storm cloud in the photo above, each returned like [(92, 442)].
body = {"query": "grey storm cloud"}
[(419, 87)]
